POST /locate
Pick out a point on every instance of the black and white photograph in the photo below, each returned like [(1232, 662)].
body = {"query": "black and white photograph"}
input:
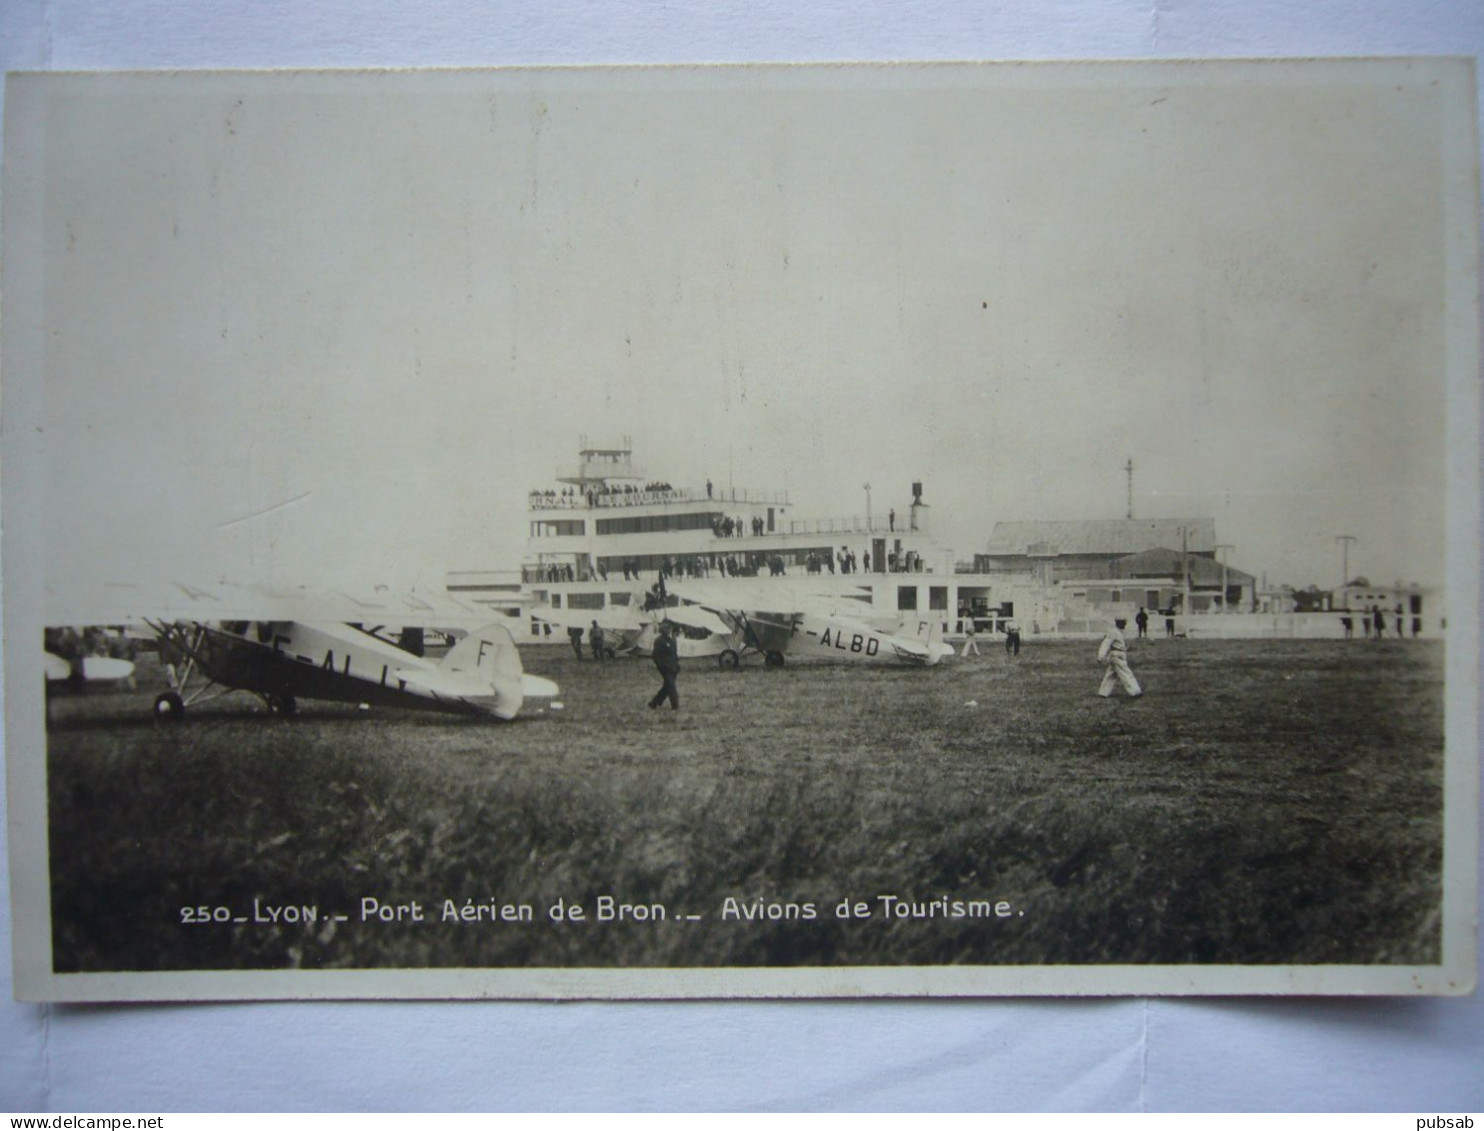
[(743, 531)]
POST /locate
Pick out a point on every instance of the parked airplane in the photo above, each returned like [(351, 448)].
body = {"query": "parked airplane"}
[(812, 622), (627, 630), (86, 669), (284, 661), (286, 646), (621, 625), (76, 673)]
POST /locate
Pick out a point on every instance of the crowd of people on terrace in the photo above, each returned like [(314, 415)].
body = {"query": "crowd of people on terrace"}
[(707, 565), (551, 571), (728, 527), (685, 566), (605, 495), (753, 564)]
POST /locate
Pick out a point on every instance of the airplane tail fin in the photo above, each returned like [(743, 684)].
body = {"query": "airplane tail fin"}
[(488, 658)]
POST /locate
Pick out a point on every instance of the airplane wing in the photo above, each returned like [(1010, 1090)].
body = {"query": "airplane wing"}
[(136, 603), (783, 594), (696, 616), (622, 619), (102, 669)]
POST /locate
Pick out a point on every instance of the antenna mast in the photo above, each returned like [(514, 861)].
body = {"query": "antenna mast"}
[(1129, 467), (1344, 540)]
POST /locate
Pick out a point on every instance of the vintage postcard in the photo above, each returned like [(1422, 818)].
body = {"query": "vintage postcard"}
[(757, 531)]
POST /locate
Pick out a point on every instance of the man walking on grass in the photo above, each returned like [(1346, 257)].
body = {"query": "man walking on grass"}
[(1113, 652)]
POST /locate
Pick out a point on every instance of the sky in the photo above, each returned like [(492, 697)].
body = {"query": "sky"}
[(331, 328)]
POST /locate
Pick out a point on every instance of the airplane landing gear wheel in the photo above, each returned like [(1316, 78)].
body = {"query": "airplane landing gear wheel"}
[(284, 706), (773, 660), (728, 659), (169, 706)]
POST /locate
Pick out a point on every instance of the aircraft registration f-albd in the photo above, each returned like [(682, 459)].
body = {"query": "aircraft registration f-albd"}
[(835, 637), (914, 642), (284, 646)]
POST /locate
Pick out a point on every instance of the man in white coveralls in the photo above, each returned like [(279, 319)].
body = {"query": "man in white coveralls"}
[(1113, 652)]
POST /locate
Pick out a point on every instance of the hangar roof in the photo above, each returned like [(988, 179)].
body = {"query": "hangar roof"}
[(1115, 537)]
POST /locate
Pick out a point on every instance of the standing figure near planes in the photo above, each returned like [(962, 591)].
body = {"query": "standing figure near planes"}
[(1141, 618), (969, 641), (596, 639), (1113, 652), (667, 660)]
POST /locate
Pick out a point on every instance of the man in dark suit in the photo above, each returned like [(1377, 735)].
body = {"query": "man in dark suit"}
[(667, 659)]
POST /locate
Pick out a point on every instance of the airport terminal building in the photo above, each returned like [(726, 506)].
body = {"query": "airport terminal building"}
[(607, 528)]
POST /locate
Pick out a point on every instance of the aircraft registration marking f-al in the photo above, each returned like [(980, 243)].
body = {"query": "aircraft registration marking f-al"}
[(214, 642)]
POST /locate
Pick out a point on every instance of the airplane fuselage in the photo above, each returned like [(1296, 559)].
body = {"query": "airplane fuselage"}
[(337, 663)]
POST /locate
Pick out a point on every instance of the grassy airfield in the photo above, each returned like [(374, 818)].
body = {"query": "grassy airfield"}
[(1264, 802)]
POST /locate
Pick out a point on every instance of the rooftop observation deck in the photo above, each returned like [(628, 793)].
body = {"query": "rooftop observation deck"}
[(596, 465), (598, 468)]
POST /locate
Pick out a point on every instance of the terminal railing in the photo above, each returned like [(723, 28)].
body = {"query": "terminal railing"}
[(851, 524)]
